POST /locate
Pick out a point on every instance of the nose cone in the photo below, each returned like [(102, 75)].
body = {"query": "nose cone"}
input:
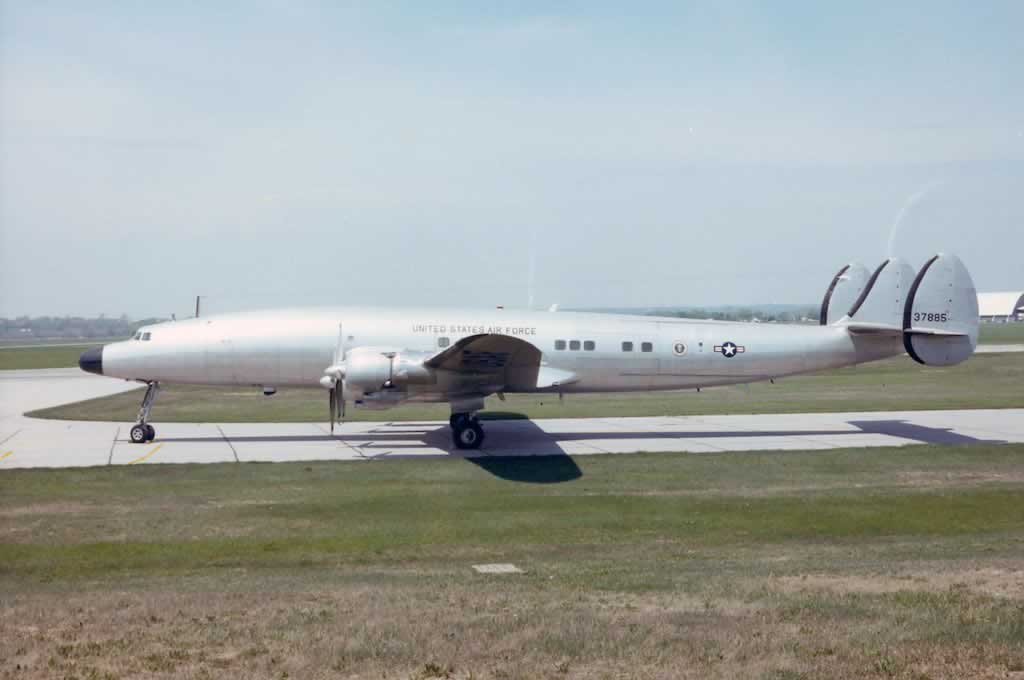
[(92, 360)]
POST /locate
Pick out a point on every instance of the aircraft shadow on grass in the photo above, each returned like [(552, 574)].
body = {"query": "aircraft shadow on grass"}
[(517, 449)]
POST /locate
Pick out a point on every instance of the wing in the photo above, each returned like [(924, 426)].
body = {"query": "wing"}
[(492, 359)]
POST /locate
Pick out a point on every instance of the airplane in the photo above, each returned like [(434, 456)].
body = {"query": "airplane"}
[(378, 358)]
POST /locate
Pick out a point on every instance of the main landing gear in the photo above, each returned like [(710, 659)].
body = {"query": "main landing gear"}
[(467, 432), (142, 431)]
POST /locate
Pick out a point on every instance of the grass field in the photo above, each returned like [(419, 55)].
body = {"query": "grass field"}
[(44, 356), (985, 381), (1001, 333), (879, 563)]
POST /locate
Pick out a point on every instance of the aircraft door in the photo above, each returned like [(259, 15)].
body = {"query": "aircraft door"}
[(683, 356)]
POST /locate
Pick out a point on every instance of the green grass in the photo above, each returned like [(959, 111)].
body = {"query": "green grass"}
[(984, 381), (187, 517), (47, 356), (421, 510), (894, 562), (1001, 333)]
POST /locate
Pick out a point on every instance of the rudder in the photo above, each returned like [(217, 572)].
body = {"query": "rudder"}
[(940, 319), (880, 304), (846, 287)]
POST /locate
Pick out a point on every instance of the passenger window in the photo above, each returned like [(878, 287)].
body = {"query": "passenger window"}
[(574, 344), (559, 344), (443, 342), (146, 336), (646, 347), (627, 347), (589, 345)]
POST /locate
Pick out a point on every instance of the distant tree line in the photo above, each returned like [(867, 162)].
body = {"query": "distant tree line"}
[(789, 315), (70, 327)]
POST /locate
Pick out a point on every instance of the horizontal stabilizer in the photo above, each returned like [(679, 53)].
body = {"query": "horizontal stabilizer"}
[(933, 331), (874, 328)]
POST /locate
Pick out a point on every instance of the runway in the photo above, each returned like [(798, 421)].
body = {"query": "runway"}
[(29, 442)]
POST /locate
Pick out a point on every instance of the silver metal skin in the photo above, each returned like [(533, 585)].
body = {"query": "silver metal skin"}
[(293, 347), (379, 358)]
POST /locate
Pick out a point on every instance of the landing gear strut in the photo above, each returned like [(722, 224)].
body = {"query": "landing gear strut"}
[(467, 432), (142, 431)]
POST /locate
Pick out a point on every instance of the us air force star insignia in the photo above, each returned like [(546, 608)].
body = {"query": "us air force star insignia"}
[(730, 349)]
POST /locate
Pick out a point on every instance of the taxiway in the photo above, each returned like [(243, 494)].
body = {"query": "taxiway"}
[(31, 442)]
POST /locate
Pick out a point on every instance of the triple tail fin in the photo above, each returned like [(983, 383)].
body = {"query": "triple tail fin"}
[(935, 312)]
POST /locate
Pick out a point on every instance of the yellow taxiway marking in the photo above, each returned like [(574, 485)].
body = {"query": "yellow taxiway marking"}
[(142, 458), (6, 455)]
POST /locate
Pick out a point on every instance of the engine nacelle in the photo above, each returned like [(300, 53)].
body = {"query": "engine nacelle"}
[(371, 369), (380, 401)]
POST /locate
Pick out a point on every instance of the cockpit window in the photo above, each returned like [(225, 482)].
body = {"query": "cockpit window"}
[(146, 335), (138, 336)]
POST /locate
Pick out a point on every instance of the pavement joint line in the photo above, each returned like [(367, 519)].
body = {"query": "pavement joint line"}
[(582, 443), (113, 443), (820, 442), (11, 436), (376, 455), (339, 441), (147, 455), (228, 442)]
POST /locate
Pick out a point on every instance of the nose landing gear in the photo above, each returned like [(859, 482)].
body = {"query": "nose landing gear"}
[(467, 433), (142, 431)]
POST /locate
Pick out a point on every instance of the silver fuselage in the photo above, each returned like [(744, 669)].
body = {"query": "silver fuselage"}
[(292, 347)]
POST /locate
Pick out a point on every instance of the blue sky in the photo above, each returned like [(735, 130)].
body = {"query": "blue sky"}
[(680, 153)]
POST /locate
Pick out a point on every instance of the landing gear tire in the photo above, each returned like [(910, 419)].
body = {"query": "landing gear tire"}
[(139, 434), (142, 431), (467, 433)]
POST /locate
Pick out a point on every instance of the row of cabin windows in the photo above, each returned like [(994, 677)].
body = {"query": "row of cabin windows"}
[(590, 346), (574, 345)]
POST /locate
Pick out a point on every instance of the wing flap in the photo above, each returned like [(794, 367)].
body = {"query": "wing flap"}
[(549, 377)]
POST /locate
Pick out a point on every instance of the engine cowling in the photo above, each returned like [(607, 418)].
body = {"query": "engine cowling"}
[(370, 369)]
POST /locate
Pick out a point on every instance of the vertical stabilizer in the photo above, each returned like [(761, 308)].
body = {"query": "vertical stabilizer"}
[(846, 287), (881, 302), (940, 319)]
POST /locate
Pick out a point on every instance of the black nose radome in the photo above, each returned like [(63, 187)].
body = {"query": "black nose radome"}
[(92, 360)]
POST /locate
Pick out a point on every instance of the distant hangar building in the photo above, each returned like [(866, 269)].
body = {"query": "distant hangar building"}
[(1001, 307)]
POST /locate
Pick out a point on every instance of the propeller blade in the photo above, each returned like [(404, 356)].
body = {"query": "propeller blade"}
[(339, 384), (339, 349), (331, 399)]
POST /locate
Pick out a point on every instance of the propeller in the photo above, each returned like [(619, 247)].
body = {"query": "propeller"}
[(334, 381)]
